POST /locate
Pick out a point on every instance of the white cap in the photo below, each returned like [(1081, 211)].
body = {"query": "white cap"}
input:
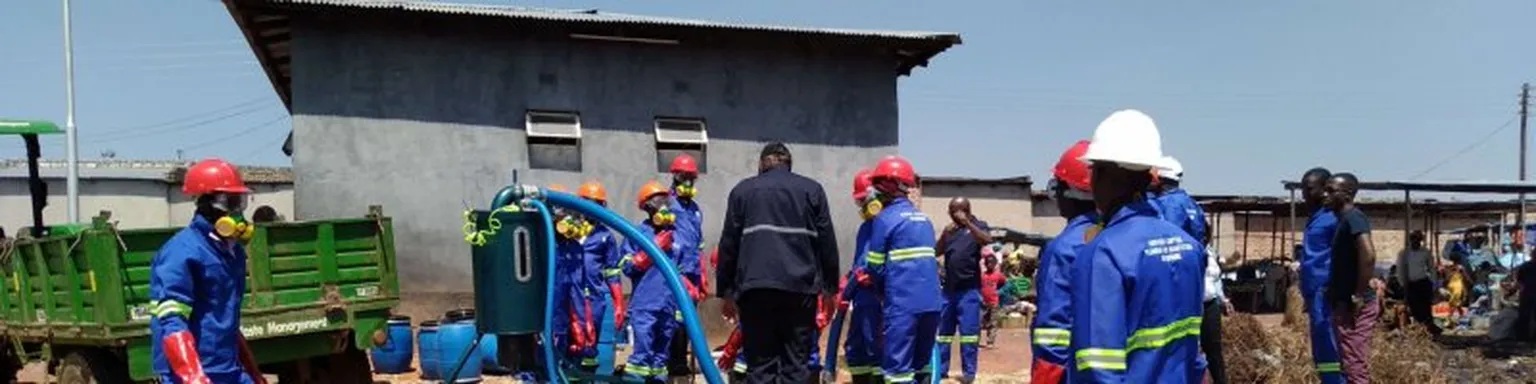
[(1172, 169), (1129, 138)]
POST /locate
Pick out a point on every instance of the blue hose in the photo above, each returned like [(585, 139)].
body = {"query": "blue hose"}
[(669, 270), (551, 369)]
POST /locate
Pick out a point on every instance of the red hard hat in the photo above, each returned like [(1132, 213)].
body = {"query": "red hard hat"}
[(212, 175), (895, 167), (684, 164), (861, 183), (1073, 171)]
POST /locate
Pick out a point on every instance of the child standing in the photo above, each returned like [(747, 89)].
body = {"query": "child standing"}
[(991, 281)]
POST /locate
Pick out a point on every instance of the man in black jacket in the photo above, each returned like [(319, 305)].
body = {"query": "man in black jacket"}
[(778, 251)]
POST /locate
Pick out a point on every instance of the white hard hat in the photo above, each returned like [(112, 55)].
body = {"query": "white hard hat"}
[(1129, 138), (1171, 169)]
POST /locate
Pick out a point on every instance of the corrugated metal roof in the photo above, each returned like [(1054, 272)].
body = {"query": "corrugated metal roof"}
[(595, 16), (1442, 186), (1016, 180), (153, 170)]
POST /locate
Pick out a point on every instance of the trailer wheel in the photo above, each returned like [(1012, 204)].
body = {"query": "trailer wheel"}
[(350, 366), (91, 367)]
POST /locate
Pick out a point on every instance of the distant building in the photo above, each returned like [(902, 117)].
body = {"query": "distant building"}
[(428, 108), (140, 194), (1003, 202)]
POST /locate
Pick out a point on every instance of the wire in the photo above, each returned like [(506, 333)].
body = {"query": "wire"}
[(243, 132), (245, 103), (173, 128), (1467, 149)]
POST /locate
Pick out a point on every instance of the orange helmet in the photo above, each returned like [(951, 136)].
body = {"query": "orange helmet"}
[(648, 190), (685, 164), (212, 175), (593, 190), (861, 183), (895, 167), (558, 188), (1072, 171)]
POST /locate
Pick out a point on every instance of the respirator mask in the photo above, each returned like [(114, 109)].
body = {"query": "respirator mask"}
[(870, 205), (233, 225), (573, 226), (683, 186), (661, 214)]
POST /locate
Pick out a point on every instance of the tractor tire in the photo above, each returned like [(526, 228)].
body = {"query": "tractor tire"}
[(91, 367)]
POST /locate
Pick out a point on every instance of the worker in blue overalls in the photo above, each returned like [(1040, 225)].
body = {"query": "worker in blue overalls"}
[(1052, 328), (1137, 285), (1176, 206), (572, 325), (653, 312), (901, 259), (862, 349), (961, 246), (604, 289), (197, 281), (1316, 254), (688, 243)]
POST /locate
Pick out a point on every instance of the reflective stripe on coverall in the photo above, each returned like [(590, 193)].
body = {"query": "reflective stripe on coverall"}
[(902, 261), (196, 283), (601, 264), (740, 368), (862, 348), (1317, 244), (687, 245), (1136, 302), (651, 313), (962, 304), (1178, 208), (1052, 330)]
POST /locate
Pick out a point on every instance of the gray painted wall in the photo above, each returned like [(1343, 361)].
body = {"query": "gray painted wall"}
[(427, 118), (134, 203)]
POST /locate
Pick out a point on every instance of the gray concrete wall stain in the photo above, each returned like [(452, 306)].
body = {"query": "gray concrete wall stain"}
[(427, 123)]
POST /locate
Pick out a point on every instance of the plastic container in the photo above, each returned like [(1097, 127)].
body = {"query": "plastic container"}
[(426, 340), (509, 273), (489, 360), (396, 354), (455, 336)]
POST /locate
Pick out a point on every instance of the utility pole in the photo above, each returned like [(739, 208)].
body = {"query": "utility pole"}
[(1525, 104), (72, 139)]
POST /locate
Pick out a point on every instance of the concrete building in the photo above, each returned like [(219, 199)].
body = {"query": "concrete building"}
[(429, 108), (1001, 202), (140, 194)]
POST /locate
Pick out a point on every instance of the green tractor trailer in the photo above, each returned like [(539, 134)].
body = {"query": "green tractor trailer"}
[(76, 297)]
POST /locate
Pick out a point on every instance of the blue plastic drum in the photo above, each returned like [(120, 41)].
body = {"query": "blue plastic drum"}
[(426, 339), (455, 336), (395, 355), (492, 364)]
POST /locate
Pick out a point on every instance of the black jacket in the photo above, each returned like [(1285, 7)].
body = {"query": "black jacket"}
[(777, 235)]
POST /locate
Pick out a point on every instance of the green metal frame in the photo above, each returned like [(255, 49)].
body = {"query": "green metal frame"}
[(311, 286), (29, 130)]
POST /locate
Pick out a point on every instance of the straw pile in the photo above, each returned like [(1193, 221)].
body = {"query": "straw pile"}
[(1256, 354), (1295, 309)]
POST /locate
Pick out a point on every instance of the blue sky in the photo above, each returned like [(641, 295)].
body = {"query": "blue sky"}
[(1245, 94)]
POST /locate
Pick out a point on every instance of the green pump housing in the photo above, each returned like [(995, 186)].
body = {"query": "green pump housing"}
[(509, 270)]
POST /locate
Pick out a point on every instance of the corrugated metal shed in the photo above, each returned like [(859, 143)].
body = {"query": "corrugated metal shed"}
[(1443, 186)]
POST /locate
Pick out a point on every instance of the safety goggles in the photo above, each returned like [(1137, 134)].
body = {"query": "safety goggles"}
[(1064, 190), (656, 203), (684, 178), (231, 203)]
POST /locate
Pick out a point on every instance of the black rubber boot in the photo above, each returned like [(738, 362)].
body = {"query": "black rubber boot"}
[(862, 379), (922, 378)]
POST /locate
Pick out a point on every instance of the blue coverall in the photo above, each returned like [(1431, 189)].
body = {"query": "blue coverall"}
[(601, 264), (962, 302), (902, 261), (196, 283), (1136, 302), (862, 348), (1052, 330), (652, 313), (687, 245), (1178, 208), (1317, 252), (570, 283)]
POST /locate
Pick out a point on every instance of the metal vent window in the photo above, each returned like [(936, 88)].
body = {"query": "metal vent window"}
[(681, 131), (547, 124)]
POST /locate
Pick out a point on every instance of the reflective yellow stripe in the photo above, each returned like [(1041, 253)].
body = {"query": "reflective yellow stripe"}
[(911, 253), (1327, 367), (945, 339), (168, 308), (970, 339), (899, 378), (1096, 358), (1149, 338), (677, 315), (741, 367), (589, 361), (874, 258), (1052, 336), (611, 272), (863, 370)]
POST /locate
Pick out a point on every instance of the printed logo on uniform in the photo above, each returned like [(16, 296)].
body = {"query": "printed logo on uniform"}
[(1169, 249)]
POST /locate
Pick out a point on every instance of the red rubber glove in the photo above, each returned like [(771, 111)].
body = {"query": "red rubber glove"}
[(821, 320), (248, 360), (729, 351), (664, 241), (693, 290), (181, 350), (591, 325), (863, 278), (1045, 372), (619, 312), (578, 336), (642, 261)]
